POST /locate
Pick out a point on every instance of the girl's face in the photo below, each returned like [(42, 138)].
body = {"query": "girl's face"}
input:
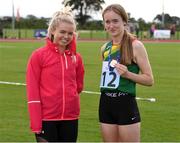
[(63, 34), (114, 24)]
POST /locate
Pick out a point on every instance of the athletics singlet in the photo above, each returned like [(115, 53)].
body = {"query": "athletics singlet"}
[(110, 79)]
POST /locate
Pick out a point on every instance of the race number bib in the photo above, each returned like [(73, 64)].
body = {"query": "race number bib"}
[(109, 78)]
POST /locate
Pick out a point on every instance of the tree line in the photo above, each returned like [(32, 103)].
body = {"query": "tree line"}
[(83, 10)]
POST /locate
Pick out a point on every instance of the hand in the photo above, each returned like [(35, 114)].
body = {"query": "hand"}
[(39, 132), (121, 69)]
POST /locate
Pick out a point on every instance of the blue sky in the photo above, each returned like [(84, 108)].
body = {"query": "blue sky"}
[(146, 9)]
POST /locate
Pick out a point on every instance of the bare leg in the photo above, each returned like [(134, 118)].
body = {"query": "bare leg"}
[(109, 132), (129, 133)]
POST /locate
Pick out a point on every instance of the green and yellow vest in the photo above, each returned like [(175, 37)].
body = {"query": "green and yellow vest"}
[(125, 85)]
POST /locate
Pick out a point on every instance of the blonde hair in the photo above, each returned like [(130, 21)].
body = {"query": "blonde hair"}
[(126, 49), (64, 15)]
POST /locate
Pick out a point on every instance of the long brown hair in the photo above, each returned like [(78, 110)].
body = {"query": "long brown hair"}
[(126, 49)]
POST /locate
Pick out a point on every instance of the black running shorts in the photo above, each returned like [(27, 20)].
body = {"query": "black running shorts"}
[(118, 108), (58, 131)]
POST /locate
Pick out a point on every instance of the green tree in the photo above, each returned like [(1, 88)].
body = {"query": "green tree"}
[(168, 19), (84, 8), (34, 22)]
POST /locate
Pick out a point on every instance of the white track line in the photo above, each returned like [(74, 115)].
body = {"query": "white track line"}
[(88, 92), (11, 83)]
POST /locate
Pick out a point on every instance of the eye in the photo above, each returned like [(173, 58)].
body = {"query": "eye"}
[(70, 33), (115, 20), (62, 32), (107, 22)]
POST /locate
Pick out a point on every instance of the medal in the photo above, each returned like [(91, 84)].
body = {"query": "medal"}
[(113, 63)]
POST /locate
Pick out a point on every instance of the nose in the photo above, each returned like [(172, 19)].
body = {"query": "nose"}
[(110, 25), (66, 35)]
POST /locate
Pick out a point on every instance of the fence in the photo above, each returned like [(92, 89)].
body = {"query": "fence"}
[(82, 34)]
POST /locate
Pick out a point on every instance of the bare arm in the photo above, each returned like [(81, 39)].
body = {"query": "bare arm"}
[(145, 77)]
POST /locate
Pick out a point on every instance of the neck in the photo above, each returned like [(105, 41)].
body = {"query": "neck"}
[(62, 48), (117, 39)]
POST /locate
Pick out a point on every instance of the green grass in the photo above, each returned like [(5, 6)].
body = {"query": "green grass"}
[(160, 120)]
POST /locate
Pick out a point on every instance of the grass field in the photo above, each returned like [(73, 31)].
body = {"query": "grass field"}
[(160, 119)]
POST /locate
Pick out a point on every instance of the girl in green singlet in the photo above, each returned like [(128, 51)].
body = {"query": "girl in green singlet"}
[(125, 63)]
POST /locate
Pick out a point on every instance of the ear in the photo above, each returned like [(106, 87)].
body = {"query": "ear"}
[(75, 35), (72, 45), (53, 32)]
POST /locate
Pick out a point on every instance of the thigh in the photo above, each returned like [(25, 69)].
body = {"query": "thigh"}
[(109, 132), (68, 131), (129, 133), (49, 132)]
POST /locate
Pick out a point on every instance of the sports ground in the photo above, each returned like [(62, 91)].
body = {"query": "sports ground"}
[(160, 119)]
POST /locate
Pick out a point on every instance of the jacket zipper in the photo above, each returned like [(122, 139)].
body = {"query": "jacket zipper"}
[(63, 88), (66, 62)]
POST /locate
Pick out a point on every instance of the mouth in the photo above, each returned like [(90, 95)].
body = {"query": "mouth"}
[(64, 41), (112, 30)]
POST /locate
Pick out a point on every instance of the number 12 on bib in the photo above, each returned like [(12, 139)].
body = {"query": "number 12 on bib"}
[(109, 78)]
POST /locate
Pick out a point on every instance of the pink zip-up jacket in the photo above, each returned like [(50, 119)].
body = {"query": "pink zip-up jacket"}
[(54, 81)]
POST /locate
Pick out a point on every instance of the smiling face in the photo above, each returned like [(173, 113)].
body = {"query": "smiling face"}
[(113, 23), (63, 34)]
